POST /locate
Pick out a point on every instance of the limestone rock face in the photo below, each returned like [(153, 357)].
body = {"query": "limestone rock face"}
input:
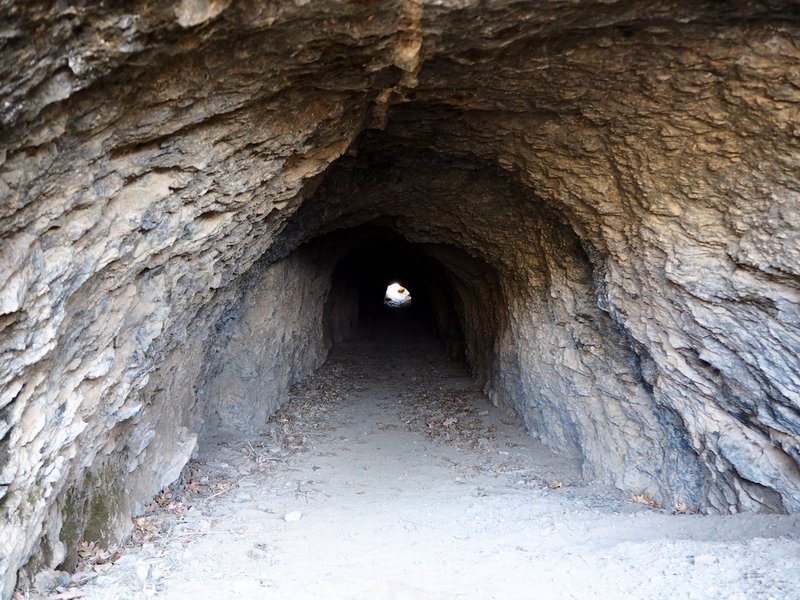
[(607, 192)]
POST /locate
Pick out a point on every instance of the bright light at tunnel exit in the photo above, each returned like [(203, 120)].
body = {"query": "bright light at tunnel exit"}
[(397, 296)]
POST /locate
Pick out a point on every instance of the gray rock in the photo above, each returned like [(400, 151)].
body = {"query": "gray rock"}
[(48, 580), (293, 516), (608, 221)]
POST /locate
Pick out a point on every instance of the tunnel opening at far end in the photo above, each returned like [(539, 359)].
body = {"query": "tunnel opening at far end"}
[(372, 281), (397, 296)]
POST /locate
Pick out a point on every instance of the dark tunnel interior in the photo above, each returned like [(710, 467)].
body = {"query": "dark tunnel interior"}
[(376, 257)]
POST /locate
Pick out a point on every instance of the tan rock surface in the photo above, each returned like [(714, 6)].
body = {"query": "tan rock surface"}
[(608, 193)]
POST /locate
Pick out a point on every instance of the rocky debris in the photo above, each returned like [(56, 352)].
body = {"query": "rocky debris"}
[(451, 416)]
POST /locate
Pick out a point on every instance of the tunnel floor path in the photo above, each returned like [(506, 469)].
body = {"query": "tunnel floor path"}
[(388, 475)]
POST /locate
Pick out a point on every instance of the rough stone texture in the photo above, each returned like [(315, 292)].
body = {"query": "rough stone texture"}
[(609, 188), (533, 330), (275, 336)]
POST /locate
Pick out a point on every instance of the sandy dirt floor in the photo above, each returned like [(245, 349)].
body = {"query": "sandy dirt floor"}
[(387, 475)]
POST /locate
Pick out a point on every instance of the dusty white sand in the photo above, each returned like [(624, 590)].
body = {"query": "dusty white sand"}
[(397, 500)]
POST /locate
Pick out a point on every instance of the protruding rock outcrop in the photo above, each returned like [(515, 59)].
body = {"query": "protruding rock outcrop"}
[(606, 194)]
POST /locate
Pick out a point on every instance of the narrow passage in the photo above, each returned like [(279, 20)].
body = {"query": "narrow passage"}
[(388, 475)]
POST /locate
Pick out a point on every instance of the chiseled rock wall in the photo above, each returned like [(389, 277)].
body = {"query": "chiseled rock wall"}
[(528, 304), (643, 278), (131, 202), (275, 335)]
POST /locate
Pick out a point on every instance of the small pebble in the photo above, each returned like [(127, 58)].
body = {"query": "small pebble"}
[(203, 525), (126, 559), (142, 572), (257, 554), (292, 516)]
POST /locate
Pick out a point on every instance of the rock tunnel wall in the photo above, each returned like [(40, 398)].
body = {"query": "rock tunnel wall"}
[(534, 331), (276, 335), (610, 190)]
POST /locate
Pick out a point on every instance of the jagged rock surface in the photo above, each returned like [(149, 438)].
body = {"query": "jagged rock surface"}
[(610, 189)]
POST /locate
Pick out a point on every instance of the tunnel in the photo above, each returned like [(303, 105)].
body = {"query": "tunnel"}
[(594, 206), (378, 258)]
